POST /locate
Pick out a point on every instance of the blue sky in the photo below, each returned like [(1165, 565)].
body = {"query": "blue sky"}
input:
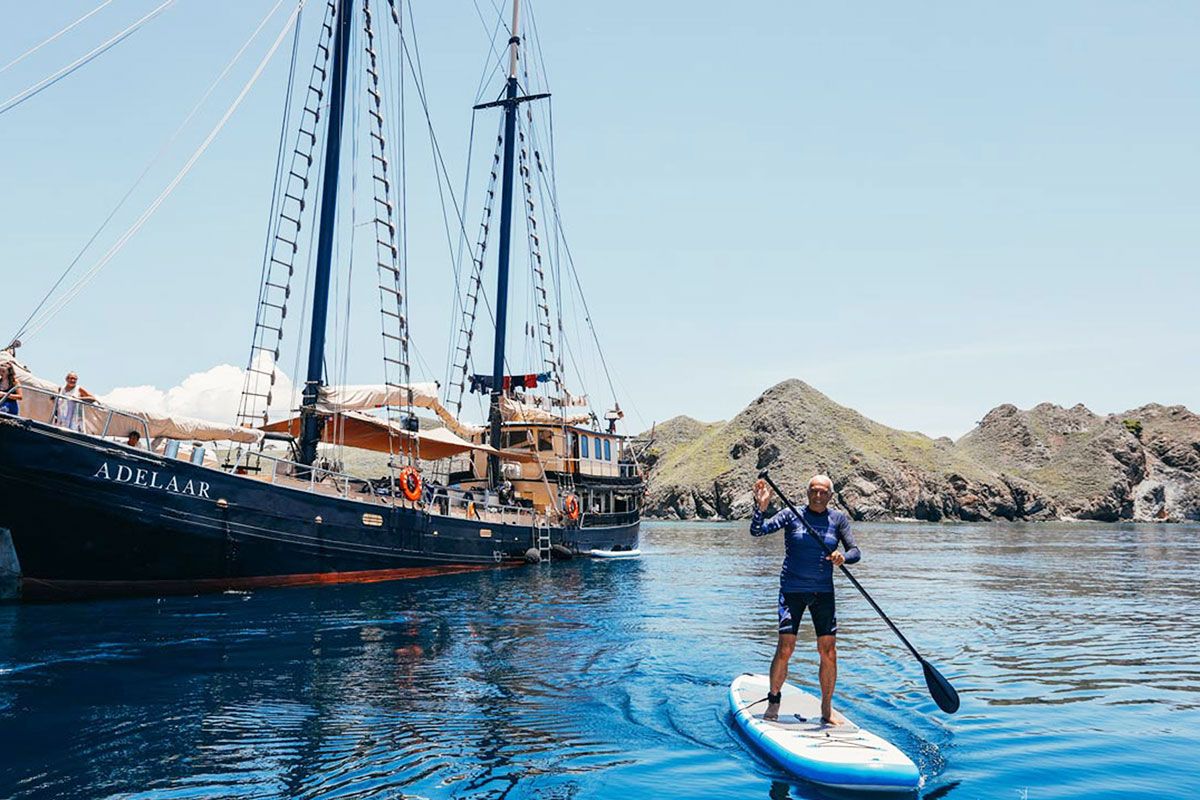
[(923, 210)]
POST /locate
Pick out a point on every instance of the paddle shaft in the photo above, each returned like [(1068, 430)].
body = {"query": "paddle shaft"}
[(808, 529)]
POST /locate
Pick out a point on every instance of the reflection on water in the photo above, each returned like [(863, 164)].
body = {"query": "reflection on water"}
[(1072, 646)]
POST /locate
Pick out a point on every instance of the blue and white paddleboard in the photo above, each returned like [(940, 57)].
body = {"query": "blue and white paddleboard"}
[(841, 756), (615, 553)]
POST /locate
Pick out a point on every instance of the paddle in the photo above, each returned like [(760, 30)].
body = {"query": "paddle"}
[(939, 688)]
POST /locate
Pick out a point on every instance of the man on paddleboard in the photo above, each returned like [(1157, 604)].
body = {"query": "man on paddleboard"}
[(806, 581)]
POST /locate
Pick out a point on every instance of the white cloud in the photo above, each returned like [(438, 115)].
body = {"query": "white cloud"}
[(214, 394)]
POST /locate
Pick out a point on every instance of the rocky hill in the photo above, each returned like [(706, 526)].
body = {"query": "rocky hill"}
[(1045, 463)]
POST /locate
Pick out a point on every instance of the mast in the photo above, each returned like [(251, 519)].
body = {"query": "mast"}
[(510, 103), (506, 196), (312, 422)]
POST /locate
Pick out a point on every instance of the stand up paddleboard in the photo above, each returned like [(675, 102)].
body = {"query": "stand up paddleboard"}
[(840, 756)]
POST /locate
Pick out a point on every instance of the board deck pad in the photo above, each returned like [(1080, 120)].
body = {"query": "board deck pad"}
[(843, 756)]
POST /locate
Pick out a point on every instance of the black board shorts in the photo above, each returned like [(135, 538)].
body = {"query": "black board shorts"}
[(820, 607)]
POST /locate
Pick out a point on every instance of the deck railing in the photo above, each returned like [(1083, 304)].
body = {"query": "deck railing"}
[(42, 405), (439, 500)]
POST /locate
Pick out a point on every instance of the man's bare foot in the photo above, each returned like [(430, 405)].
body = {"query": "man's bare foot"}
[(834, 718)]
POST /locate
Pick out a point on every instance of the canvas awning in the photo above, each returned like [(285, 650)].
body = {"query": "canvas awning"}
[(355, 429)]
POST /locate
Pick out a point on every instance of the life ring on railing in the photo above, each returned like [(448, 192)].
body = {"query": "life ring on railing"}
[(571, 506), (410, 484)]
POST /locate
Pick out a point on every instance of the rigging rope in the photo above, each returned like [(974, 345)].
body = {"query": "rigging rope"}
[(579, 287), (146, 170), (492, 61), (412, 57), (87, 277), (465, 334), (390, 268), (458, 254), (35, 48), (46, 83), (286, 219), (441, 171), (277, 186), (491, 64), (340, 371)]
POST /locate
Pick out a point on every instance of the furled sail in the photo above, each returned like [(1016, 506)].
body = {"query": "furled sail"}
[(514, 411), (192, 429), (363, 397)]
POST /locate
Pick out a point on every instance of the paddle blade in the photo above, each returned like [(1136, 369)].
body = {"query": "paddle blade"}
[(940, 689)]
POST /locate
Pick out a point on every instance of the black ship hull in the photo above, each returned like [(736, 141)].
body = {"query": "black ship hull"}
[(90, 517)]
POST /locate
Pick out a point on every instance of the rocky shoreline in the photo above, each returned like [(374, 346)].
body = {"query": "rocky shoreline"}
[(1045, 463)]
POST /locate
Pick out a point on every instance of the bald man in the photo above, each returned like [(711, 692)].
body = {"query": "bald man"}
[(806, 581)]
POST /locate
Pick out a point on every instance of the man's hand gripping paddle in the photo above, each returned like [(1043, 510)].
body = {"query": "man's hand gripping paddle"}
[(939, 688)]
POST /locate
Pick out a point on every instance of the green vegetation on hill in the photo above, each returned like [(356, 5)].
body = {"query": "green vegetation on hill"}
[(1044, 463)]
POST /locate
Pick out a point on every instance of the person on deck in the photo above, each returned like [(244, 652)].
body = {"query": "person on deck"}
[(68, 406), (134, 439), (806, 581), (10, 386)]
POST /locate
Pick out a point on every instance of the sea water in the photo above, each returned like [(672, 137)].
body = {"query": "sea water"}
[(1075, 648)]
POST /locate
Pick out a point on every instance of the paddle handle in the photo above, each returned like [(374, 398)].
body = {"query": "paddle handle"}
[(821, 541)]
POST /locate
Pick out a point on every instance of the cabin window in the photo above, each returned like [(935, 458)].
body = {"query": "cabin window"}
[(607, 452), (515, 438), (583, 447), (545, 440)]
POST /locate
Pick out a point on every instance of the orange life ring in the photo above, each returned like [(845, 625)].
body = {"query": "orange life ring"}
[(410, 484), (571, 506)]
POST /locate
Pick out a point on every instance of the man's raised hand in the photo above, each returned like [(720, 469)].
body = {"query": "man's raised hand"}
[(762, 494)]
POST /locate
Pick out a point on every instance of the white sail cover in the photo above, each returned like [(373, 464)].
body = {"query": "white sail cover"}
[(123, 418), (514, 411), (363, 397), (179, 427)]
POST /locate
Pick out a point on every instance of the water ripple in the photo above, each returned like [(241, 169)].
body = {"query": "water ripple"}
[(1073, 649)]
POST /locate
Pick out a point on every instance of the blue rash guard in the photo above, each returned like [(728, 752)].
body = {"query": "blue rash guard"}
[(806, 568)]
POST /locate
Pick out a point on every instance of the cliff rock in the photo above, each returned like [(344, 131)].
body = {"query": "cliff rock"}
[(1045, 463)]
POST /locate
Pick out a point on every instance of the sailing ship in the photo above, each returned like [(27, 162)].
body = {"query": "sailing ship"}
[(199, 505)]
